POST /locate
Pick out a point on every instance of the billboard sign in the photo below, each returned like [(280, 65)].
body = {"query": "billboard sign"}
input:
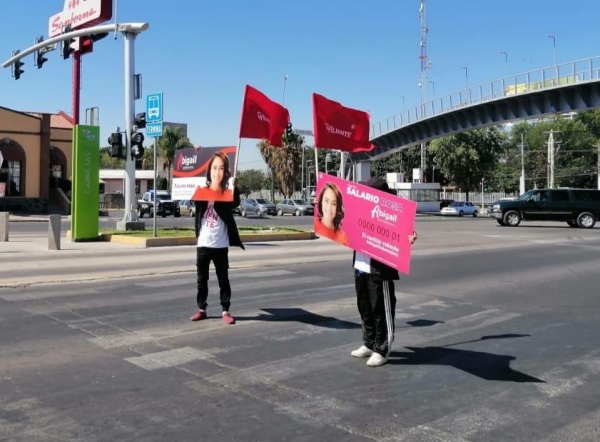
[(80, 14), (191, 172)]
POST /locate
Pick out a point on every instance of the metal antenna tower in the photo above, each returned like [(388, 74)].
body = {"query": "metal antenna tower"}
[(425, 65)]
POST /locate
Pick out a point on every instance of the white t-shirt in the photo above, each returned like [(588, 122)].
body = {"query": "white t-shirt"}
[(213, 232), (362, 263)]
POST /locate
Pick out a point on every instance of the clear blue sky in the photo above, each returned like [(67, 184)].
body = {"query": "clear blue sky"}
[(201, 54)]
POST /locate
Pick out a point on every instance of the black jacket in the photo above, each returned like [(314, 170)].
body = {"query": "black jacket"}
[(380, 270), (225, 212)]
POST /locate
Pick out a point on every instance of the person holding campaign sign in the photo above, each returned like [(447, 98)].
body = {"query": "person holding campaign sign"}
[(376, 299), (216, 231), (330, 213), (219, 184)]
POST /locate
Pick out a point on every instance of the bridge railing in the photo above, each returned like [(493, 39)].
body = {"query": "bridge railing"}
[(541, 79)]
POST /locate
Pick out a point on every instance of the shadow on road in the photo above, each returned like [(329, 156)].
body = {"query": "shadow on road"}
[(302, 316), (488, 366), (261, 244)]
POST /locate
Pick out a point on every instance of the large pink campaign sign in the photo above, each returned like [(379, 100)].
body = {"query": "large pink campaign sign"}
[(364, 219)]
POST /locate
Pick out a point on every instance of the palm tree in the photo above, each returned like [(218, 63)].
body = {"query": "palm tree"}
[(284, 163), (171, 140)]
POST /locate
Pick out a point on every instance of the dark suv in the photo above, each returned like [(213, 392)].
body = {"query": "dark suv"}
[(576, 207)]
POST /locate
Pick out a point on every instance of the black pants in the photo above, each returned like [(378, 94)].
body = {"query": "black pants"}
[(220, 258), (376, 304)]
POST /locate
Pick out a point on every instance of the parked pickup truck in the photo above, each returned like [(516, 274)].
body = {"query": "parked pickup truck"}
[(576, 207), (164, 204)]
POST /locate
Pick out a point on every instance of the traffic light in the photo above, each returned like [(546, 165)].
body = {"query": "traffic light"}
[(85, 44), (39, 59), (289, 133), (137, 148), (16, 67), (116, 145), (69, 45), (140, 120)]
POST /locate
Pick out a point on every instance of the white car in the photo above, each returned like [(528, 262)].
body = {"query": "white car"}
[(460, 208)]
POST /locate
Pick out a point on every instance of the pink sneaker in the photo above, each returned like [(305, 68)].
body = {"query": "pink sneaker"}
[(198, 316), (227, 319)]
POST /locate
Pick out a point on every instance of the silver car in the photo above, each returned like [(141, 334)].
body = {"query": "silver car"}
[(295, 207), (257, 206)]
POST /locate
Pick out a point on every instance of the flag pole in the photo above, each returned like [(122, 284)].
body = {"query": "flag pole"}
[(316, 168), (237, 157)]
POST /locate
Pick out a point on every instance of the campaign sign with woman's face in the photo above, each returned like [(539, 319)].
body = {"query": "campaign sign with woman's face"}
[(203, 174), (376, 223)]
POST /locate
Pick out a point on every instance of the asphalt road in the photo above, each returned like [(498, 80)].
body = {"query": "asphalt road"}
[(491, 345)]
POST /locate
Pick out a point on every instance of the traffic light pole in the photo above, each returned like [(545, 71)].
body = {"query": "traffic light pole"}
[(130, 202), (130, 31), (135, 28)]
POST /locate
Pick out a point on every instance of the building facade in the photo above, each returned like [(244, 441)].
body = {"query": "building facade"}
[(36, 150)]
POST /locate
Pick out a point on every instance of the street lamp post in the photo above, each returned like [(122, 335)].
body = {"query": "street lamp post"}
[(505, 62), (402, 96), (467, 80), (553, 37), (285, 79), (433, 87), (522, 180)]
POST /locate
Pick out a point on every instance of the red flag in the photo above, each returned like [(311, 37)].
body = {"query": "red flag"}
[(339, 127), (263, 118)]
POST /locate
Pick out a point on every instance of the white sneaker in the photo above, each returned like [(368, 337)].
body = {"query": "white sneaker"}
[(362, 352), (376, 360)]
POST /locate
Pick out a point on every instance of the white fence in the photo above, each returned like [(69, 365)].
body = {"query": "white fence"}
[(475, 197), (266, 194)]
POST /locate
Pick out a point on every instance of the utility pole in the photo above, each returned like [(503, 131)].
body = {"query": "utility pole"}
[(522, 180), (597, 146), (425, 65), (551, 155), (482, 193)]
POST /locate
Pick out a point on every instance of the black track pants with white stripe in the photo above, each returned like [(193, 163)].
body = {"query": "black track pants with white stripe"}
[(376, 304)]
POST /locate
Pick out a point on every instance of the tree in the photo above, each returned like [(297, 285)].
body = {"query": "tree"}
[(467, 157), (250, 180), (575, 154), (108, 162), (148, 158), (284, 162), (172, 140)]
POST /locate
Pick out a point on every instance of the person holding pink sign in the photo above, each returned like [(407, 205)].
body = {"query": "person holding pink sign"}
[(376, 299), (216, 231)]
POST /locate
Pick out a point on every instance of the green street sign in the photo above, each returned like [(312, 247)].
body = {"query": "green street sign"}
[(85, 194)]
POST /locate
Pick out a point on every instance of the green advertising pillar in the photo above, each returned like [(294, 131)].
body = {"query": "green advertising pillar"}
[(85, 193)]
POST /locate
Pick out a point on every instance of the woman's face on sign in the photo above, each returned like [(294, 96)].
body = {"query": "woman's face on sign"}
[(330, 204), (217, 171)]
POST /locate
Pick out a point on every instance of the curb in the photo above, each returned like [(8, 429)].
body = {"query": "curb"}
[(191, 241)]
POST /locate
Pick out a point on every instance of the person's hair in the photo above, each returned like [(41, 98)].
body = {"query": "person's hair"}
[(226, 173), (339, 210)]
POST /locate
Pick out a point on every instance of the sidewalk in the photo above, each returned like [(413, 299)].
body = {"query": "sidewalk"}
[(33, 218)]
